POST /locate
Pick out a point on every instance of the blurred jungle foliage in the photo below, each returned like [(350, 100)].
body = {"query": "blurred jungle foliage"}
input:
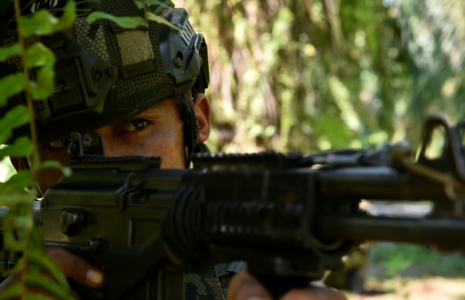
[(309, 75)]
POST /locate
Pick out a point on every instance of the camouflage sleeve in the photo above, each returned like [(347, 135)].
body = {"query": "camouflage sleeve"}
[(226, 271), (212, 284), (203, 286)]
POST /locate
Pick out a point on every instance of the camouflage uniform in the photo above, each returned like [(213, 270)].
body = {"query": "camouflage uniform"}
[(212, 284)]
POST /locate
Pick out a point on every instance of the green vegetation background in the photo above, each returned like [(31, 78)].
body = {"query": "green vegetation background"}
[(308, 75)]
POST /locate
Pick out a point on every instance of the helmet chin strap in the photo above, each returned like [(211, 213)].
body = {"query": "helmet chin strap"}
[(23, 161), (191, 126), (191, 133)]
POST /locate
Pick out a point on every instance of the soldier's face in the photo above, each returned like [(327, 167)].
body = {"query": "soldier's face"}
[(157, 131)]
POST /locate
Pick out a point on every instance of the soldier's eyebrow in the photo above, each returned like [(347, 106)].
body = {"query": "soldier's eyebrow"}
[(159, 107)]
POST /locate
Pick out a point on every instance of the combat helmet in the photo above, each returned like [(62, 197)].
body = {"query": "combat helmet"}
[(106, 73)]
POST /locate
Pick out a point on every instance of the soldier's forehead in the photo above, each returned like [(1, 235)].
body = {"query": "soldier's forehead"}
[(161, 106)]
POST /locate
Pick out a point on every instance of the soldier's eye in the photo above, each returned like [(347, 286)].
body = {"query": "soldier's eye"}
[(55, 145), (135, 125)]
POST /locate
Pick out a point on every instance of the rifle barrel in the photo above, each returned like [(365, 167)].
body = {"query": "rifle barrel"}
[(378, 183), (445, 233)]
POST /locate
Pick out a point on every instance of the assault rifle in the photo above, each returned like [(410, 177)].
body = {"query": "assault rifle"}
[(290, 217)]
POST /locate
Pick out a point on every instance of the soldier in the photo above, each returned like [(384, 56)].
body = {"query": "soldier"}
[(142, 90)]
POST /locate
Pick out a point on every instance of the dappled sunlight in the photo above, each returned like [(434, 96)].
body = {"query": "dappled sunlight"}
[(329, 74), (6, 170), (435, 288)]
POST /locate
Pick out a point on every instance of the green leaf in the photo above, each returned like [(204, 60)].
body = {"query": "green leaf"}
[(11, 199), (140, 4), (36, 240), (159, 4), (19, 267), (8, 51), (35, 296), (38, 280), (43, 22), (48, 264), (21, 147), (124, 22), (13, 291), (24, 222), (44, 86), (38, 55), (10, 239), (14, 229), (11, 85), (17, 182), (152, 17), (164, 3), (69, 16), (54, 164), (155, 6), (15, 117), (39, 23)]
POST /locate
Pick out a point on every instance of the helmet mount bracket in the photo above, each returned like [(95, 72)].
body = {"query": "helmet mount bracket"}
[(83, 81)]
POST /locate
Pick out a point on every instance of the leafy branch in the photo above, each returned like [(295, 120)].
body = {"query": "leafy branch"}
[(134, 22), (18, 192)]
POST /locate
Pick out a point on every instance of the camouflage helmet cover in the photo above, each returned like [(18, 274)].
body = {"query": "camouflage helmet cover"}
[(105, 73)]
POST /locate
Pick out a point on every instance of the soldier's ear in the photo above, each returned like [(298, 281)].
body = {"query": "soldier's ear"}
[(203, 114)]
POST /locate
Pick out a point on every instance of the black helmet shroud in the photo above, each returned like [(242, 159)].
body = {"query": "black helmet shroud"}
[(105, 73)]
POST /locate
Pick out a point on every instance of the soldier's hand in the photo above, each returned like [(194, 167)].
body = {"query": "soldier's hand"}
[(77, 268), (244, 286), (73, 267)]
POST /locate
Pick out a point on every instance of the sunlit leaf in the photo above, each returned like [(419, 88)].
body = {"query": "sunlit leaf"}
[(48, 264), (40, 281), (43, 22), (341, 96), (44, 86), (8, 51), (38, 55), (39, 23), (15, 117), (69, 16), (124, 22), (12, 291), (11, 85), (152, 17), (17, 182), (20, 147), (54, 164)]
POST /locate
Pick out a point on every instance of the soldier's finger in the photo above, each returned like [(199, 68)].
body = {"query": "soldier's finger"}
[(244, 286), (77, 268), (313, 293)]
